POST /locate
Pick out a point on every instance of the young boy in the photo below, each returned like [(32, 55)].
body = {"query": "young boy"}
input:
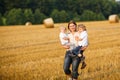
[(82, 41), (64, 36)]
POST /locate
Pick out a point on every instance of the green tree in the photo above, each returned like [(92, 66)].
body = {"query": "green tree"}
[(119, 16), (106, 8), (15, 17), (10, 4), (91, 16), (55, 15), (1, 22), (88, 15), (96, 6), (63, 16), (115, 7), (61, 4), (2, 7), (76, 17), (29, 16), (71, 7), (46, 6), (38, 16), (100, 17), (59, 16)]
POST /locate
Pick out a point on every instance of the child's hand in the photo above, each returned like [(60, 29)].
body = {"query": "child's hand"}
[(79, 55), (76, 38), (65, 38)]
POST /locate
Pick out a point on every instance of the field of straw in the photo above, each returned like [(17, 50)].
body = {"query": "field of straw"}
[(34, 52)]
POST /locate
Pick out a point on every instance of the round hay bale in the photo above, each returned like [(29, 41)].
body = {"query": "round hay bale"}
[(113, 19), (28, 23), (48, 23)]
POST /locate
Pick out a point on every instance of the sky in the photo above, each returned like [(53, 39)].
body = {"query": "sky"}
[(117, 0)]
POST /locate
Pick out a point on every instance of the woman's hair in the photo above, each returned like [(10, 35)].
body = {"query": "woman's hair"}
[(82, 26), (72, 22)]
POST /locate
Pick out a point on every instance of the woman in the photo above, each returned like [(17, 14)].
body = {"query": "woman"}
[(71, 60)]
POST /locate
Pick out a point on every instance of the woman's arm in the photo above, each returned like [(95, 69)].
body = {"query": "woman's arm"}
[(66, 38), (66, 46)]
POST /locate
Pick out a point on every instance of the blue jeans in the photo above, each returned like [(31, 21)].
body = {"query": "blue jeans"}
[(74, 61), (77, 50)]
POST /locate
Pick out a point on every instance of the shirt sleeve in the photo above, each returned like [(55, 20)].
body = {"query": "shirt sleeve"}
[(83, 35), (61, 35)]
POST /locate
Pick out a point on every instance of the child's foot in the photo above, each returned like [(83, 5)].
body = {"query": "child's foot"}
[(74, 79), (83, 65), (79, 55), (70, 79)]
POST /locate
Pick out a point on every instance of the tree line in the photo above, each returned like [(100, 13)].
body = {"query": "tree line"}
[(18, 12)]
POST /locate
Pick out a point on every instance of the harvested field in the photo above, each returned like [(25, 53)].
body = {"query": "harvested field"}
[(34, 52)]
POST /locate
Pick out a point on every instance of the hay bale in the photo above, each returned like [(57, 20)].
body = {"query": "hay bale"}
[(113, 19), (48, 23), (28, 23)]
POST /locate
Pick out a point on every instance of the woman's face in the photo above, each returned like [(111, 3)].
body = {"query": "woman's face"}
[(72, 27)]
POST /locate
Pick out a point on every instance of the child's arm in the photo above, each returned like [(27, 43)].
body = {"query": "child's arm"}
[(78, 39), (66, 38)]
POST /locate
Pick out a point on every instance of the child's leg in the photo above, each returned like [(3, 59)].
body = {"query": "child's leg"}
[(83, 65), (83, 62), (82, 58), (80, 53), (76, 50)]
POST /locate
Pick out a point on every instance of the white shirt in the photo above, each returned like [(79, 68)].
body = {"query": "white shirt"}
[(72, 41), (61, 36), (84, 36)]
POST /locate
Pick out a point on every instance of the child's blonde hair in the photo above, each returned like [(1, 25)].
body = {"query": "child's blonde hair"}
[(62, 27), (82, 26)]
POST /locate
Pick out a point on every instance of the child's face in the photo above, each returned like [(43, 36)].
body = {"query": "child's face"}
[(63, 30), (80, 29)]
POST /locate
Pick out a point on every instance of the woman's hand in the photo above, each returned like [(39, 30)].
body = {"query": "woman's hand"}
[(66, 46), (65, 38), (83, 48)]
